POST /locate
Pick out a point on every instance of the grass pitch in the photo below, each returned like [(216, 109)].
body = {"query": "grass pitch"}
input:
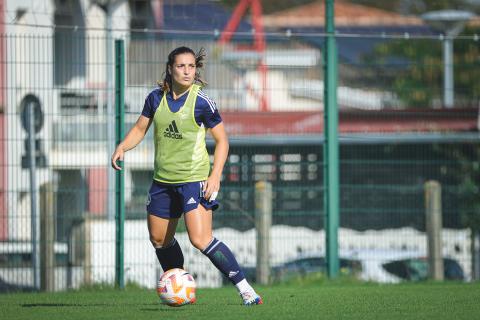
[(311, 300)]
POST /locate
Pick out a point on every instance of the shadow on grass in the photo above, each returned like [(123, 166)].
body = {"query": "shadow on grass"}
[(151, 308), (35, 305), (162, 309)]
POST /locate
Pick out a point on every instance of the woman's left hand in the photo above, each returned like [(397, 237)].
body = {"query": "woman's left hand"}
[(211, 187)]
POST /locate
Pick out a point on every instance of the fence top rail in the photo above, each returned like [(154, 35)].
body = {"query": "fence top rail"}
[(318, 139), (241, 35)]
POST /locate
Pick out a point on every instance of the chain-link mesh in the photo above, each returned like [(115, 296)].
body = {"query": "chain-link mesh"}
[(395, 135)]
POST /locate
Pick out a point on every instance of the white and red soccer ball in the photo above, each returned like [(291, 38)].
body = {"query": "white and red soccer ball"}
[(176, 288)]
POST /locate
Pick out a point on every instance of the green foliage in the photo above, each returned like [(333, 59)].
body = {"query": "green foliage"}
[(467, 65), (466, 175), (417, 78), (420, 81), (469, 176)]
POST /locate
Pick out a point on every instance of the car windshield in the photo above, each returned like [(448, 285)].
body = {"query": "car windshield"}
[(416, 269), (306, 262), (408, 269)]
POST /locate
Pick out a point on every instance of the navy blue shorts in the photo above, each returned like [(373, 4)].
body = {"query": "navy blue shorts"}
[(172, 200)]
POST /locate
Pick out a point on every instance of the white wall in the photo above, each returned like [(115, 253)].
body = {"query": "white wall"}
[(287, 243), (29, 70)]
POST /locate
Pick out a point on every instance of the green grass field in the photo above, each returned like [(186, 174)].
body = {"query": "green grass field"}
[(313, 300)]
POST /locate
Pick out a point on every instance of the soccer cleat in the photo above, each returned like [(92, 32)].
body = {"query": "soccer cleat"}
[(251, 298)]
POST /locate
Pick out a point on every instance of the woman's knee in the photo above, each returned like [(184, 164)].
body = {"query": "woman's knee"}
[(161, 231), (200, 242), (157, 242)]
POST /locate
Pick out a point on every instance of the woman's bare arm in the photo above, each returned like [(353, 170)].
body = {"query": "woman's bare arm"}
[(219, 158), (132, 139)]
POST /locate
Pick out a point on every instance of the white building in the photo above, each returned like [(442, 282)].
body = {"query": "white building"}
[(56, 53)]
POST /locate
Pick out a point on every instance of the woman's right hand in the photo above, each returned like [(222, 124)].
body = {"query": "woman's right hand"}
[(117, 155)]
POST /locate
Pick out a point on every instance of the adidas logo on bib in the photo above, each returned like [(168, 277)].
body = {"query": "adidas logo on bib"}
[(172, 131)]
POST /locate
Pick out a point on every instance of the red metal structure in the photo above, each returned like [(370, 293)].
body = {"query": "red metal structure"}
[(258, 41)]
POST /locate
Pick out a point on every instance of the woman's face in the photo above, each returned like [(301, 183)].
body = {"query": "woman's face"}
[(183, 70)]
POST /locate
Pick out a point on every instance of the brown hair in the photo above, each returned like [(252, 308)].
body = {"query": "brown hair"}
[(166, 85)]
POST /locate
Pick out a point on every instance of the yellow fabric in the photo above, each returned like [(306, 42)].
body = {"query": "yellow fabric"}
[(180, 149)]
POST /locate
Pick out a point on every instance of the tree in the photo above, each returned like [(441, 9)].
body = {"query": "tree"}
[(415, 69), (468, 176)]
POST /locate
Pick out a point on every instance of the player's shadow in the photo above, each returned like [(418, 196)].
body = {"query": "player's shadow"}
[(163, 309), (158, 309), (36, 305)]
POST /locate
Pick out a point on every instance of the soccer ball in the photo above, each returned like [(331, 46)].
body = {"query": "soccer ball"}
[(176, 288)]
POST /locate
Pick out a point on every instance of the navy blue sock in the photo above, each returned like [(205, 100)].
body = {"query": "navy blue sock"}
[(171, 256), (223, 259)]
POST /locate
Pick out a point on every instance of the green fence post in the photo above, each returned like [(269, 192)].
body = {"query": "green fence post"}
[(119, 179), (330, 149)]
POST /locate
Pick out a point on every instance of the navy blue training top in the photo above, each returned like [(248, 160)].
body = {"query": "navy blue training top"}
[(206, 111)]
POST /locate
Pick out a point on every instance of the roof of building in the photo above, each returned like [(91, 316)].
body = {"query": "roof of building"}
[(359, 28), (346, 14), (383, 121)]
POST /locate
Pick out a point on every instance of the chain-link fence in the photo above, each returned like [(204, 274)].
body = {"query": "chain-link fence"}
[(395, 135)]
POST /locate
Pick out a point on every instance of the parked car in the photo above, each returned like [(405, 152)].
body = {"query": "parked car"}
[(386, 266), (306, 265), (16, 272), (393, 266), (6, 287), (416, 269)]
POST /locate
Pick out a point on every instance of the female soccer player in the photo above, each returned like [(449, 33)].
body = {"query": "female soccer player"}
[(183, 182)]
